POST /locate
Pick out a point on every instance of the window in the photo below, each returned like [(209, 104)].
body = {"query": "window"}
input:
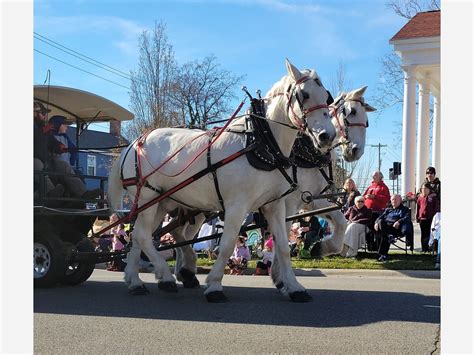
[(91, 164)]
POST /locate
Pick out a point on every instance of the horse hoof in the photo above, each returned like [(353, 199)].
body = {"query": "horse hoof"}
[(168, 286), (194, 283), (188, 278), (216, 297), (139, 291), (280, 285), (300, 296)]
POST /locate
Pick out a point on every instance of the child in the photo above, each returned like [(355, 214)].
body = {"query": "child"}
[(238, 261), (264, 266)]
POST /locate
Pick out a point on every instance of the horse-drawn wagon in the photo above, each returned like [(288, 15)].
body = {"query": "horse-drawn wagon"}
[(157, 169), (61, 223)]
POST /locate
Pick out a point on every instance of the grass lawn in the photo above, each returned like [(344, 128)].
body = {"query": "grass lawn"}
[(364, 260)]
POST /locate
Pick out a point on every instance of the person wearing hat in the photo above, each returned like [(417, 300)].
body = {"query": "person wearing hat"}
[(42, 144), (433, 181), (59, 129)]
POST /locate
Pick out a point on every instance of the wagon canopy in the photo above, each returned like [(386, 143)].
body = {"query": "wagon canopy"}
[(79, 105)]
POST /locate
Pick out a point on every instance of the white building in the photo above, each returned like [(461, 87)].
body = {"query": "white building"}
[(418, 45)]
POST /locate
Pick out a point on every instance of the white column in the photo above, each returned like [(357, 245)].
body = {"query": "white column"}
[(408, 131), (423, 141), (436, 145)]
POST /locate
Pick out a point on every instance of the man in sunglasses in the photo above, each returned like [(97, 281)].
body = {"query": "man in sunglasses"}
[(433, 181)]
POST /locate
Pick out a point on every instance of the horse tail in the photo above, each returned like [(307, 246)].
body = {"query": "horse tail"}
[(115, 190)]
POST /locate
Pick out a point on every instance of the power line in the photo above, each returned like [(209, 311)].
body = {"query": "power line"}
[(85, 71), (81, 56), (379, 146)]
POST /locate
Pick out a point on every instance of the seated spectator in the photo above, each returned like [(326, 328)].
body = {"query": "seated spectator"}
[(435, 238), (239, 259), (293, 238), (358, 216), (265, 263), (352, 193), (118, 244), (427, 206), (312, 232), (394, 222)]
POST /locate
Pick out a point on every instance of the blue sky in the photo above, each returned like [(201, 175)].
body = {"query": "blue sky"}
[(250, 38)]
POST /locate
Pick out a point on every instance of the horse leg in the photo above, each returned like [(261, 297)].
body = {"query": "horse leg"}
[(275, 215), (146, 223), (234, 216), (333, 244), (185, 269), (132, 280)]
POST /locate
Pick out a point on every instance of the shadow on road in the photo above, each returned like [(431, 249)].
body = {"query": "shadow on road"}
[(329, 308)]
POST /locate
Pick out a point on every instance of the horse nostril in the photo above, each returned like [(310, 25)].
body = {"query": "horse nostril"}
[(355, 150), (323, 137)]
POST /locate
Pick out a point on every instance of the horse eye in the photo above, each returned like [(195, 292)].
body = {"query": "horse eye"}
[(353, 111), (344, 111), (305, 95)]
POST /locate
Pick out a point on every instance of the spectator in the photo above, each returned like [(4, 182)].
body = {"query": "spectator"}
[(358, 216), (59, 129), (376, 197), (264, 265), (352, 193), (118, 244), (435, 239), (433, 181), (239, 259), (311, 232), (427, 206), (394, 222)]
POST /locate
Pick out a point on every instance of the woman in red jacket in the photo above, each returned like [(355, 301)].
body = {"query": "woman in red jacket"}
[(376, 197), (426, 207)]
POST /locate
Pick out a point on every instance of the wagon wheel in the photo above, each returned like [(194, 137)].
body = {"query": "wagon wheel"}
[(49, 259), (77, 273)]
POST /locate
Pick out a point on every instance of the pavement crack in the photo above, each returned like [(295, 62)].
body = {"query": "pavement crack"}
[(437, 342)]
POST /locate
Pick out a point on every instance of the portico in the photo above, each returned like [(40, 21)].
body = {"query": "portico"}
[(418, 45)]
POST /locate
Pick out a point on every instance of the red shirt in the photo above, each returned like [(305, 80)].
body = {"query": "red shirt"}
[(382, 196), (427, 206)]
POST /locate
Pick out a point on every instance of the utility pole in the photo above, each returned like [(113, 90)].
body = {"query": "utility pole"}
[(378, 146)]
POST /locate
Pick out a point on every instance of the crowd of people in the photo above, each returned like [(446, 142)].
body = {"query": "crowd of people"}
[(375, 219), (373, 222)]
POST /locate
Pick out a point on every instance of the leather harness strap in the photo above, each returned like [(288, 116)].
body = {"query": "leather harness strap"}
[(214, 172)]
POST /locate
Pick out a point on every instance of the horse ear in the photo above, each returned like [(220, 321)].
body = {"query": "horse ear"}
[(358, 93), (293, 71), (369, 108)]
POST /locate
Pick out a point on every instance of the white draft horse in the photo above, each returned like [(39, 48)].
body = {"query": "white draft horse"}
[(296, 102), (349, 117)]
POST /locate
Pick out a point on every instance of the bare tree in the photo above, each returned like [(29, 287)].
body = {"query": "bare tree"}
[(152, 83), (340, 82), (409, 8), (203, 90)]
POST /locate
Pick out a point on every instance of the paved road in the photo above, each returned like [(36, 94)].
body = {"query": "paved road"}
[(352, 312)]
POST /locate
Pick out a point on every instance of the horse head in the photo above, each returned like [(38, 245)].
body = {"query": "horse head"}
[(303, 102), (349, 116)]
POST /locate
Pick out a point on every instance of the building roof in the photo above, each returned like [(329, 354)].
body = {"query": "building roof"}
[(95, 139), (423, 24)]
